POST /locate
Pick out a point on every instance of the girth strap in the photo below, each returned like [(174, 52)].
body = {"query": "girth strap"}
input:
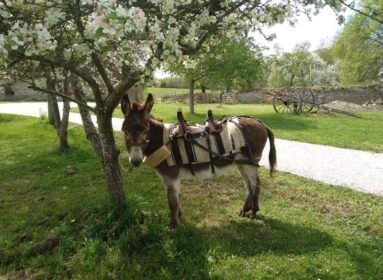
[(219, 143), (175, 151), (210, 154), (189, 153)]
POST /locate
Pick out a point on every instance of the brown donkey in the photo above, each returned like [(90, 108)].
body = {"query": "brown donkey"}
[(144, 137)]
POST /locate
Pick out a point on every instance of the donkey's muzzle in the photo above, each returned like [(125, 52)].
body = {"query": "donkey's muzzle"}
[(136, 156), (136, 162)]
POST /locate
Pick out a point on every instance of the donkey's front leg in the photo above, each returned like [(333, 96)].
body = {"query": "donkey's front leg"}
[(173, 192)]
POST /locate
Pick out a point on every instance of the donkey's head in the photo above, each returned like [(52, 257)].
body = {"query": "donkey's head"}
[(136, 127)]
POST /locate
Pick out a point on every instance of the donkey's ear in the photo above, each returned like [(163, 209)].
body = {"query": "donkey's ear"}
[(125, 104), (149, 103)]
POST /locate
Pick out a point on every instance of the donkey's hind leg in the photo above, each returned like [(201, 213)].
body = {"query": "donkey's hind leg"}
[(250, 175), (248, 202), (173, 193)]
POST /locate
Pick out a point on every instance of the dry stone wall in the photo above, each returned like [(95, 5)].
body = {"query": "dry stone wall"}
[(21, 92), (354, 94)]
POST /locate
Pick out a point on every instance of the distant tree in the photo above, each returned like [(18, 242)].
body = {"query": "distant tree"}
[(238, 65), (226, 63), (300, 68), (192, 69), (359, 47), (173, 82), (326, 54)]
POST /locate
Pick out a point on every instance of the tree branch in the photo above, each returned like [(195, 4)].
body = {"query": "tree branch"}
[(188, 50), (95, 57), (352, 7), (83, 73), (112, 100)]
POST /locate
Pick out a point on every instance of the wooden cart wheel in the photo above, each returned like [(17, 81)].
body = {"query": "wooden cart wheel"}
[(287, 104), (308, 101)]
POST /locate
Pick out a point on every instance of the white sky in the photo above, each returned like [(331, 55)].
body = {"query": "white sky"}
[(321, 28)]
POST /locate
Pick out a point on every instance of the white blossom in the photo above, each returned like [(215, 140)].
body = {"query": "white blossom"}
[(122, 32), (53, 16)]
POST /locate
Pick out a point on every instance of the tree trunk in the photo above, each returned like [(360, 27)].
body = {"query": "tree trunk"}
[(51, 116), (53, 107), (63, 134), (191, 96), (56, 113), (104, 145), (292, 80), (203, 88), (110, 165), (8, 89), (89, 128), (221, 98)]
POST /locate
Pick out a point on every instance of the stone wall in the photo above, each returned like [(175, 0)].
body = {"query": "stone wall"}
[(354, 94), (22, 92), (198, 97)]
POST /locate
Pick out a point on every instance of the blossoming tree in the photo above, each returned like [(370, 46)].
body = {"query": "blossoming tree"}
[(109, 45)]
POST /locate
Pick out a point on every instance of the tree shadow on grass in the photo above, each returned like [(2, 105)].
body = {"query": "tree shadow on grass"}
[(5, 118), (287, 122), (245, 238), (185, 251), (366, 257), (54, 160)]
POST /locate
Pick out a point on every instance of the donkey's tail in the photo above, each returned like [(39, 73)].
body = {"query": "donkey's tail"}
[(272, 152)]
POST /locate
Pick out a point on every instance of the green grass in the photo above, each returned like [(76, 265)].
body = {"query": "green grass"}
[(335, 130), (62, 226)]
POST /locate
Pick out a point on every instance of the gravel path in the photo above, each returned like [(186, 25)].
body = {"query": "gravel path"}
[(359, 170)]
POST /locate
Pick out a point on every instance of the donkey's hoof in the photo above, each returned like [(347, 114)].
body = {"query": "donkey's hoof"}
[(242, 213), (173, 224)]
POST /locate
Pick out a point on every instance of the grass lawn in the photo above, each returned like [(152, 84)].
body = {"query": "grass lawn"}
[(61, 226), (322, 128)]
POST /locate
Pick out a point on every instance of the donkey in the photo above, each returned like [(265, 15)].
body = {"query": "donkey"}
[(144, 135)]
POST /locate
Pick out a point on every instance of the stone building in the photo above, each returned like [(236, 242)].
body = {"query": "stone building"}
[(19, 91)]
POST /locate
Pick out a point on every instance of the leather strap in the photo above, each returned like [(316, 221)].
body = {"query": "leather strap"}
[(210, 153)]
